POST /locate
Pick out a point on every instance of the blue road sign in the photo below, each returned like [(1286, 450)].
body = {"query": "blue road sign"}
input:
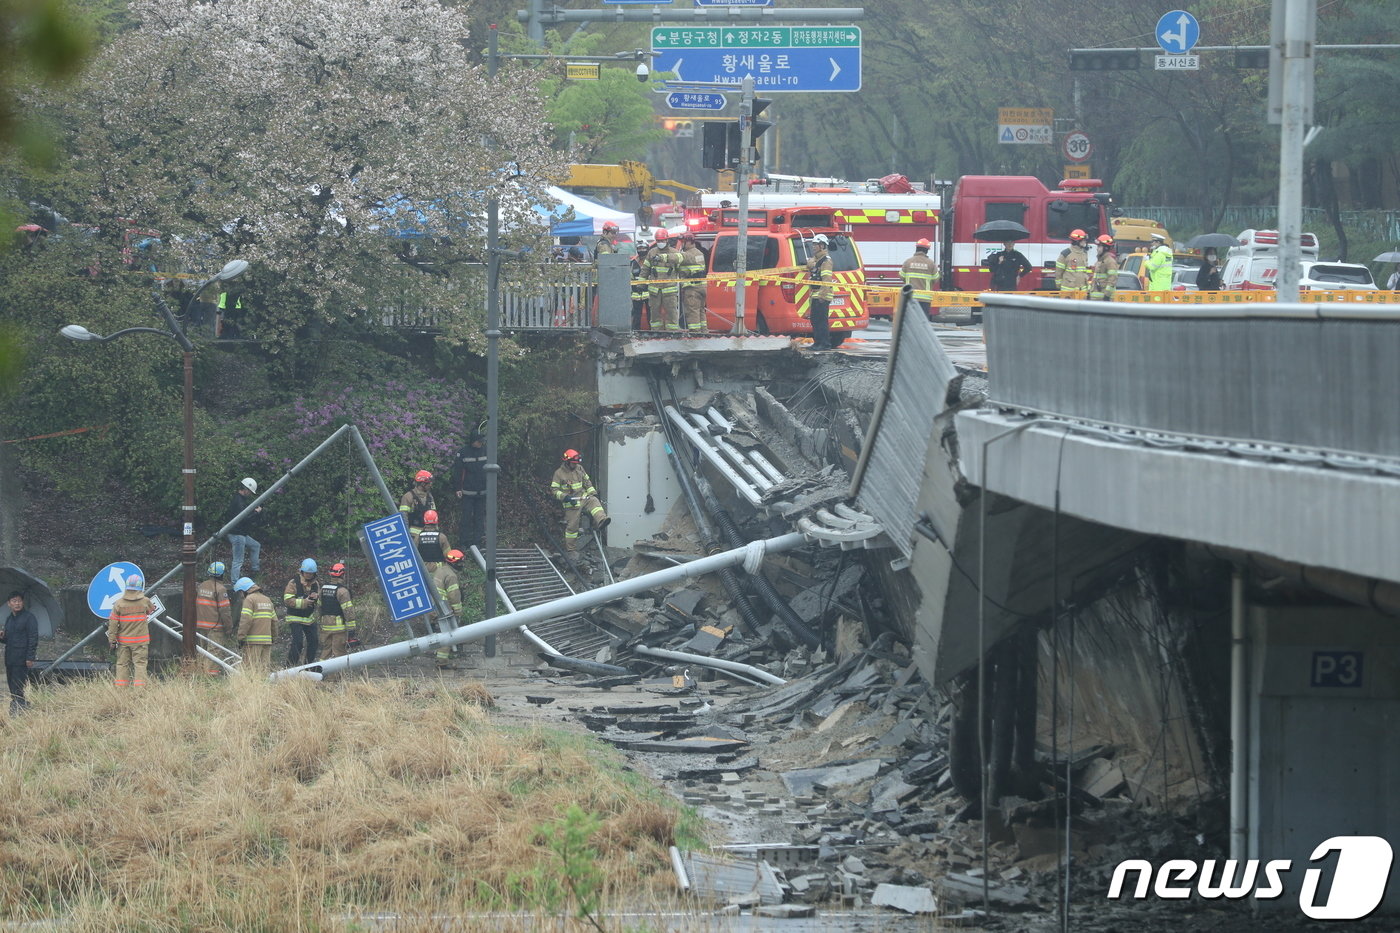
[(401, 574), (1178, 32), (733, 2), (106, 588), (694, 100), (779, 58)]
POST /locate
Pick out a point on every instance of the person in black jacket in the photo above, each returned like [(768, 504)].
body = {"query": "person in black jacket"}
[(469, 478), (21, 637), (1208, 276), (240, 537)]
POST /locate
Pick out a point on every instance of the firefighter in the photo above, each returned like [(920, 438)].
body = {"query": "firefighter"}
[(469, 478), (336, 612), (818, 275), (449, 592), (212, 613), (128, 633), (663, 271), (300, 596), (607, 243), (257, 625), (693, 295), (1158, 265), (574, 490), (639, 289), (417, 501), (1073, 269), (921, 272), (432, 543), (1105, 270)]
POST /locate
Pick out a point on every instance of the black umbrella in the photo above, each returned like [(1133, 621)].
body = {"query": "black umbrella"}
[(1212, 241), (1001, 231)]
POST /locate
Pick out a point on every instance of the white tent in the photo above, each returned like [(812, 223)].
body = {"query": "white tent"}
[(589, 215)]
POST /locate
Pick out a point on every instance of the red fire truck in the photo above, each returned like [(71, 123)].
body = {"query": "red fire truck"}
[(888, 216)]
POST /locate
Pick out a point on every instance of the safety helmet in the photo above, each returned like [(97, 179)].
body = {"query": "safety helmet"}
[(820, 239), (216, 569), (1160, 236), (662, 235), (134, 584), (925, 243), (249, 484), (455, 557), (609, 227), (1104, 240), (430, 517), (1077, 235), (337, 569), (243, 585), (573, 456), (422, 476), (308, 566)]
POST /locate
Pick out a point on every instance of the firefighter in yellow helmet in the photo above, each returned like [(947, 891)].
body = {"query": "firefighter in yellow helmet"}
[(257, 626), (920, 271), (336, 612), (693, 292), (212, 611), (417, 501), (1105, 270), (128, 633), (449, 592), (663, 270), (573, 489), (1073, 268)]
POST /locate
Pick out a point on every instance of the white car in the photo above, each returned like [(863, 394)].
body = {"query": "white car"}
[(1332, 276)]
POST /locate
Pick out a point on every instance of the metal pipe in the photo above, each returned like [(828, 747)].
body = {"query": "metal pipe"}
[(570, 604), (1239, 720), (716, 461), (179, 635), (719, 419), (775, 474), (358, 440), (719, 664), (678, 865), (74, 650), (703, 424)]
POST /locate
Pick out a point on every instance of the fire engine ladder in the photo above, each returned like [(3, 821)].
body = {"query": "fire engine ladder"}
[(526, 577), (203, 644)]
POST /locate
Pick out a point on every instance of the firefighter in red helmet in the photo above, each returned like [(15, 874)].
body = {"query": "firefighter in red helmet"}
[(921, 272), (573, 489), (416, 501)]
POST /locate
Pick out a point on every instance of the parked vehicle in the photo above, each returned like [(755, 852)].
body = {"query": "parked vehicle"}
[(776, 295), (1254, 263)]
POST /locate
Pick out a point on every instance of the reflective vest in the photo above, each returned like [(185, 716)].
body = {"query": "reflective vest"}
[(692, 263), (1072, 269), (661, 266), (127, 623), (256, 622), (296, 597), (919, 271), (819, 270), (1159, 269), (211, 606), (430, 546), (571, 484), (1105, 276), (334, 608)]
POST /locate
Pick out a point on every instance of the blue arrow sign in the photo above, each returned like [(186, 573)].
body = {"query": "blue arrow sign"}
[(694, 100), (107, 587), (779, 58), (1178, 32)]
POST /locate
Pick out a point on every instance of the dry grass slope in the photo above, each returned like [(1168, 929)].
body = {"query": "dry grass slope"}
[(231, 804)]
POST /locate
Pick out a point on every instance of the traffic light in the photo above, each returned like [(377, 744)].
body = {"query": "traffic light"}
[(734, 133), (683, 129), (760, 104), (714, 141), (1105, 60), (1252, 58)]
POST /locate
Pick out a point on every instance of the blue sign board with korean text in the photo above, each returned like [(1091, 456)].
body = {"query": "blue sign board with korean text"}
[(778, 58), (733, 2), (694, 100), (401, 574)]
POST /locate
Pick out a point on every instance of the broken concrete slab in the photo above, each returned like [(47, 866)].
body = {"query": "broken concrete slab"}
[(967, 889), (890, 792), (695, 745), (730, 881), (909, 899), (785, 911), (1102, 778), (705, 641), (804, 780)]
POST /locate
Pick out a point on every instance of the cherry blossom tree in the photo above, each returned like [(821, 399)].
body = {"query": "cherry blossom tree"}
[(347, 148)]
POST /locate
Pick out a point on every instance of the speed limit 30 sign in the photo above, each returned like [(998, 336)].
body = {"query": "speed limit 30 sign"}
[(1077, 147)]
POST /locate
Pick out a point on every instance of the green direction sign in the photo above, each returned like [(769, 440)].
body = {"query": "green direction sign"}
[(755, 37)]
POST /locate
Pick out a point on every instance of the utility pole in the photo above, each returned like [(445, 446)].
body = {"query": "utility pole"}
[(1292, 29), (741, 261), (493, 369)]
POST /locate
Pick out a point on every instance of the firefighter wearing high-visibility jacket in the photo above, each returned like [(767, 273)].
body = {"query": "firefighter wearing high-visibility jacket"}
[(128, 633), (818, 275), (417, 501), (257, 625), (449, 593), (693, 292), (920, 271), (300, 597), (211, 611), (662, 269), (1073, 270), (432, 543), (573, 489), (1105, 271), (337, 613), (1158, 265)]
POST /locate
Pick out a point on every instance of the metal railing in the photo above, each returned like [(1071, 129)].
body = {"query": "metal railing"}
[(562, 297), (1374, 225)]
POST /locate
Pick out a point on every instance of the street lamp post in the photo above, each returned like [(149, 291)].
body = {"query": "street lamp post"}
[(231, 270)]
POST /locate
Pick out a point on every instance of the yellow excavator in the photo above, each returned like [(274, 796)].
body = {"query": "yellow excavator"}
[(627, 176)]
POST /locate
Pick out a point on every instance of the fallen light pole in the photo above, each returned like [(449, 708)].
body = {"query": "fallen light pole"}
[(750, 556)]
